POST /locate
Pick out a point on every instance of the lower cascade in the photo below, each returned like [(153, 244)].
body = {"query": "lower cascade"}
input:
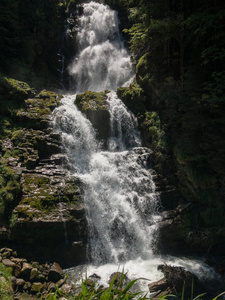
[(119, 192), (119, 195)]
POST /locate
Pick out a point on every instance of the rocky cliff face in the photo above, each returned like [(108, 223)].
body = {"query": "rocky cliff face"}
[(45, 219)]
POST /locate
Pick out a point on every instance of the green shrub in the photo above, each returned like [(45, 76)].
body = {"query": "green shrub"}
[(6, 291), (133, 97), (9, 190)]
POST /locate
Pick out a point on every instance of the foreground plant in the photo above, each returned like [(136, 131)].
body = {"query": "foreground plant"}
[(114, 291)]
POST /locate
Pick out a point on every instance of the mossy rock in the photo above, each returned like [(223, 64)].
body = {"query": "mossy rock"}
[(41, 192), (96, 108), (38, 110), (133, 97), (91, 100), (15, 90)]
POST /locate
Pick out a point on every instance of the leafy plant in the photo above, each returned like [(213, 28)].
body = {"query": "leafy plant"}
[(114, 291)]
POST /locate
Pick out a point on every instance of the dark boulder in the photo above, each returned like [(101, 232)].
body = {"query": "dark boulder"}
[(55, 272)]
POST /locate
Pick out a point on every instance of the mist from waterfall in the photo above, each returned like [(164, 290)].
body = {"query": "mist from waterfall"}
[(120, 196)]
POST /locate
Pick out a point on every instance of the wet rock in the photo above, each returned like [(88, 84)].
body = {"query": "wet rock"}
[(20, 282), (36, 287), (67, 288), (35, 264), (27, 286), (159, 285), (36, 212), (100, 119), (13, 280), (6, 254), (6, 250), (96, 108), (175, 278), (17, 270), (119, 279), (34, 274), (94, 278), (55, 272), (41, 278), (51, 287), (60, 283), (90, 282), (25, 271), (8, 263), (171, 236), (18, 261)]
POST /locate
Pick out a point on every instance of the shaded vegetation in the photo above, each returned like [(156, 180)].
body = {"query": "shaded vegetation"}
[(178, 48), (133, 97), (31, 34), (6, 290)]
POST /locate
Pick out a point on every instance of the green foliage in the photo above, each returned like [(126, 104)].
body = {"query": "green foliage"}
[(133, 97), (155, 132), (114, 291), (6, 291), (9, 190)]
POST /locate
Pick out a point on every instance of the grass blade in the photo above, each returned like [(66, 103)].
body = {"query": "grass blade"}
[(218, 296), (198, 297)]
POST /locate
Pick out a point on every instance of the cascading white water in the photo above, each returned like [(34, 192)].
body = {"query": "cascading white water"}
[(119, 191), (120, 198), (102, 61)]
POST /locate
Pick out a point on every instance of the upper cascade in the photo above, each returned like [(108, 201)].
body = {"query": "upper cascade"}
[(102, 62)]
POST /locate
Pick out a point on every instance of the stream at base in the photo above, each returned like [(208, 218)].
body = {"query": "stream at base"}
[(146, 271)]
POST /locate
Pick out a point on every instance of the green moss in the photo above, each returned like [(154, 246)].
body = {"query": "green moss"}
[(18, 137), (6, 290), (30, 179), (46, 94), (37, 111), (91, 100), (133, 97), (9, 190), (15, 90), (42, 202), (40, 194)]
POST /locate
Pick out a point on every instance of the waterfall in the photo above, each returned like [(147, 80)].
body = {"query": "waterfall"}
[(120, 197), (102, 61)]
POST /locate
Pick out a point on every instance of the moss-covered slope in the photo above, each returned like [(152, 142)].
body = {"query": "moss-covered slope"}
[(40, 205)]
